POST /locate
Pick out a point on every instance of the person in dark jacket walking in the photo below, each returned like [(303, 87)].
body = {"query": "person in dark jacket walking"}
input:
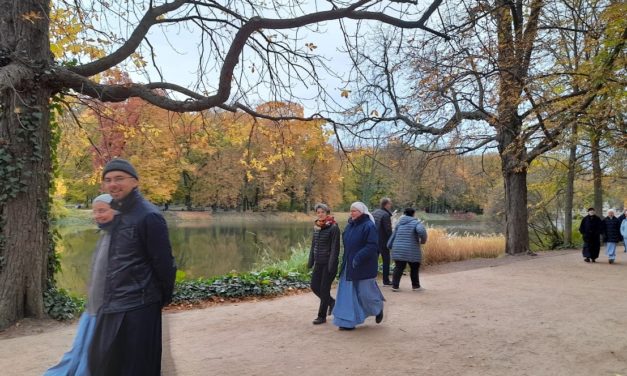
[(358, 295), (405, 243), (139, 281), (611, 235), (323, 257), (591, 228), (383, 222)]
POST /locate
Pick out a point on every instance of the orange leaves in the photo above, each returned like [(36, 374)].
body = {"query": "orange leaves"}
[(311, 46), (344, 93)]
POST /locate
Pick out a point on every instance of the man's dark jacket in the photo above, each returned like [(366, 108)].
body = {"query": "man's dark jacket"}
[(141, 269), (611, 230), (383, 221)]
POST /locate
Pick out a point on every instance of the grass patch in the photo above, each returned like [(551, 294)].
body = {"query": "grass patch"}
[(442, 247)]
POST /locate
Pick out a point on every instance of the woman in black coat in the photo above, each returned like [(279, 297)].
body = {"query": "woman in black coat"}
[(591, 228), (323, 257)]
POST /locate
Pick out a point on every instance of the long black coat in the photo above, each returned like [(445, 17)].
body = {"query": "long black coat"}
[(611, 230), (591, 228)]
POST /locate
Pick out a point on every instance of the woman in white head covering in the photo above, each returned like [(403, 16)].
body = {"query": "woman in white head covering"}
[(75, 362), (358, 295), (361, 208)]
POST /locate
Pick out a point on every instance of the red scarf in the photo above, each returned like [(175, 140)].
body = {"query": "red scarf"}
[(324, 223)]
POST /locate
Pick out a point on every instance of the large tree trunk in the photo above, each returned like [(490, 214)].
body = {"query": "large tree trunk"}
[(514, 167), (516, 228), (597, 174), (25, 158), (570, 188)]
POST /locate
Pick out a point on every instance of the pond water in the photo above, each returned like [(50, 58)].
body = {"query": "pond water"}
[(208, 250)]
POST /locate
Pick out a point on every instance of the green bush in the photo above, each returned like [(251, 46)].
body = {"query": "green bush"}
[(238, 285), (60, 305), (272, 279)]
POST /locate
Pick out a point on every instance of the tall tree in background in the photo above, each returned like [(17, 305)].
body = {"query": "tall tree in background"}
[(493, 84), (232, 36)]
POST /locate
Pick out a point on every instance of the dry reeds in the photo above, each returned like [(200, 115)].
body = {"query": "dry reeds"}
[(442, 247)]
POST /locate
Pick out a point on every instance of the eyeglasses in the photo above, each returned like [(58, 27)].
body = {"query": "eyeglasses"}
[(117, 179)]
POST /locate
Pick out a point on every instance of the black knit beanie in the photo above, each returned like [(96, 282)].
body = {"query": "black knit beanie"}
[(120, 165)]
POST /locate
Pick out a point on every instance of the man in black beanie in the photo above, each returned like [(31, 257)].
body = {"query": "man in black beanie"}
[(139, 281)]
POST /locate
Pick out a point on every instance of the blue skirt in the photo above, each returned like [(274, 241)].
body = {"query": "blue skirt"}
[(74, 362), (355, 301)]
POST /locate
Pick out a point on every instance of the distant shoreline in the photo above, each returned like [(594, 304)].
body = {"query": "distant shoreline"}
[(82, 217)]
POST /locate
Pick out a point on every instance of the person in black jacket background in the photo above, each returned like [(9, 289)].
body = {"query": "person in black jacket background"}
[(139, 281), (591, 228), (383, 222), (611, 235), (323, 257)]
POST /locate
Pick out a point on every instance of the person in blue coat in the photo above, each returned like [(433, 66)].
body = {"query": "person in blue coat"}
[(358, 295), (405, 243), (623, 228)]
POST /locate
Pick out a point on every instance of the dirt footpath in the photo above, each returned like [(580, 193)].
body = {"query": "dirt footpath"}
[(547, 315)]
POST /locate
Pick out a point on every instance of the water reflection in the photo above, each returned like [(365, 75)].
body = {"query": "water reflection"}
[(207, 250), (200, 251)]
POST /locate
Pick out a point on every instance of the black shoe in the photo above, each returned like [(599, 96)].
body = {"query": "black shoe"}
[(319, 320), (611, 261), (388, 283), (345, 328), (331, 306), (594, 260), (378, 318), (586, 259)]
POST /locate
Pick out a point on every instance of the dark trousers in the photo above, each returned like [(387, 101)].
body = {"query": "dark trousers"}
[(399, 267), (127, 343), (321, 280), (385, 256)]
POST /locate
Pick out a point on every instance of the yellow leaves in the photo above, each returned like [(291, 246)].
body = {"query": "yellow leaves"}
[(68, 35), (32, 16), (138, 60), (344, 93), (259, 166)]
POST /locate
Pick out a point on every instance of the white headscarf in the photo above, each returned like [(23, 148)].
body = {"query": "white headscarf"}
[(362, 208), (106, 198)]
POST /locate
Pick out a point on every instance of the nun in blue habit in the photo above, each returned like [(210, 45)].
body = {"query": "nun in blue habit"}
[(74, 362), (358, 295)]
